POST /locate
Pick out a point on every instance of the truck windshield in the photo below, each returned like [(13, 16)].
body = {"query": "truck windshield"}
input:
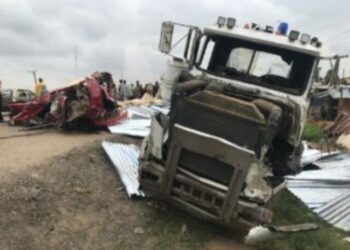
[(258, 64)]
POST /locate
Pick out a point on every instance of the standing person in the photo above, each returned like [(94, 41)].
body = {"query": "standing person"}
[(128, 91), (138, 90), (120, 85), (1, 118), (121, 90), (132, 91), (124, 91), (155, 88), (40, 89)]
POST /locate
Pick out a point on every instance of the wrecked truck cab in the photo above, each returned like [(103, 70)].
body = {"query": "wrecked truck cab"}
[(239, 100)]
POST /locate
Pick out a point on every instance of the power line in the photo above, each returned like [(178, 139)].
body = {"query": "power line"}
[(338, 35), (345, 38), (340, 44)]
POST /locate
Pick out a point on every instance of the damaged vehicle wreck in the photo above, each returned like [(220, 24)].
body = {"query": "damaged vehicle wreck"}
[(90, 102), (238, 107)]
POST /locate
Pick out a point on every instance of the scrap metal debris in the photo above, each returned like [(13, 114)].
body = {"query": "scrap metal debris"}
[(132, 127), (138, 123), (311, 155), (260, 234), (294, 228), (125, 160), (326, 190), (86, 102), (263, 233)]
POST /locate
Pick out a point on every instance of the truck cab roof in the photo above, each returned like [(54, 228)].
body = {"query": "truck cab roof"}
[(261, 37)]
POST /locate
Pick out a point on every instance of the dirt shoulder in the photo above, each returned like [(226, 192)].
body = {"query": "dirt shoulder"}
[(77, 202), (21, 150)]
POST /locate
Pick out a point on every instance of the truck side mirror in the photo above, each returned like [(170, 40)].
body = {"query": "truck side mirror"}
[(166, 37)]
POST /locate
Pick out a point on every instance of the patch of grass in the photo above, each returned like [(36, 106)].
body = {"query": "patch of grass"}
[(312, 133), (291, 211), (166, 228), (178, 230)]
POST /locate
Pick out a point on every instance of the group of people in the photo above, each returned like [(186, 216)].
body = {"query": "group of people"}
[(137, 90)]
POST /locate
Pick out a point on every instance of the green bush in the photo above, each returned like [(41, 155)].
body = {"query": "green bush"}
[(312, 133)]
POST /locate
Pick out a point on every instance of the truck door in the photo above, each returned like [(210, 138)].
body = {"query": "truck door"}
[(180, 41)]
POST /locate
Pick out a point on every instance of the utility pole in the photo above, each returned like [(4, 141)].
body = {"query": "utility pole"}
[(34, 75), (334, 77)]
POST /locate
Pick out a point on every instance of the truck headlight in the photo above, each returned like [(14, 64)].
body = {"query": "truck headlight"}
[(221, 21), (231, 22), (314, 40), (305, 38), (294, 35)]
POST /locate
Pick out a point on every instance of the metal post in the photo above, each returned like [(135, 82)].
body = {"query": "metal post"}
[(34, 75)]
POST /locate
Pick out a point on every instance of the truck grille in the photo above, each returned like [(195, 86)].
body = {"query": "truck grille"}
[(206, 167), (229, 118), (197, 195)]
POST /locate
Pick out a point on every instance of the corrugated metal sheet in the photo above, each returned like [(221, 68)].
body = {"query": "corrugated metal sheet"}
[(139, 120), (125, 160), (339, 160), (337, 212), (132, 127), (314, 194), (312, 155), (326, 190)]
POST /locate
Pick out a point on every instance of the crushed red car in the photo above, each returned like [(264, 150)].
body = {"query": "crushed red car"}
[(90, 102)]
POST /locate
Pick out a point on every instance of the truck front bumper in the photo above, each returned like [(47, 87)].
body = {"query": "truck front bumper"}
[(205, 175)]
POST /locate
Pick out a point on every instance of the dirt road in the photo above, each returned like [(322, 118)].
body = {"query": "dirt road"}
[(21, 150)]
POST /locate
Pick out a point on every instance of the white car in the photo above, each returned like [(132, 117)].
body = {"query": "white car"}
[(16, 95)]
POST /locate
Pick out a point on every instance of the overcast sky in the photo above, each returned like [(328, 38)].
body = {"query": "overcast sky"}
[(113, 34)]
